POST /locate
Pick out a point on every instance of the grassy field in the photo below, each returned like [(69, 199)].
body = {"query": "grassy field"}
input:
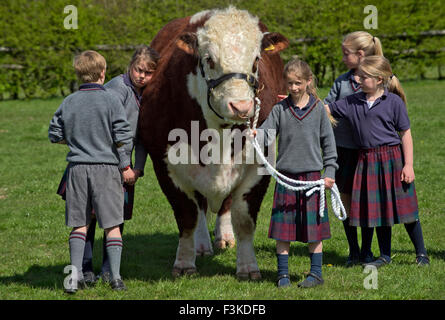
[(34, 246)]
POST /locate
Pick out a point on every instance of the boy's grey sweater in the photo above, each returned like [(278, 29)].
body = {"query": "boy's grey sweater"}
[(127, 97), (304, 145), (343, 130), (93, 124)]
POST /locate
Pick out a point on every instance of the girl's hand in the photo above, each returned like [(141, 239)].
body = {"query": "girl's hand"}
[(407, 174), (129, 176), (329, 183)]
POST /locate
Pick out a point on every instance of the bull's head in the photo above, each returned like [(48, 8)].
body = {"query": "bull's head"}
[(228, 48)]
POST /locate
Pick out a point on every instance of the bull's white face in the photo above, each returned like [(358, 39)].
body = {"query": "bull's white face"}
[(229, 42)]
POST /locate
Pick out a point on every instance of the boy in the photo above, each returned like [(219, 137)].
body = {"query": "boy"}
[(92, 122)]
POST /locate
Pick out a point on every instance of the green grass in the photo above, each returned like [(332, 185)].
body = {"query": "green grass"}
[(33, 235)]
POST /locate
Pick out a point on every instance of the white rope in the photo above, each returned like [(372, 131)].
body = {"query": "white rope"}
[(311, 186)]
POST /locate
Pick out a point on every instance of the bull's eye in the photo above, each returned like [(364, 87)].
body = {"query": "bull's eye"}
[(255, 65), (210, 63)]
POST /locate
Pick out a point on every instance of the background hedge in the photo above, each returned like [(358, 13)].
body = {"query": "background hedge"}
[(36, 51)]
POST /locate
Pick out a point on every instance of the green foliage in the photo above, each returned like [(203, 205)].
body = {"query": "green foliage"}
[(45, 49)]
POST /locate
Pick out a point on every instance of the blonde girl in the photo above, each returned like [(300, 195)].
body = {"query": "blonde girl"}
[(306, 146), (383, 191), (355, 47)]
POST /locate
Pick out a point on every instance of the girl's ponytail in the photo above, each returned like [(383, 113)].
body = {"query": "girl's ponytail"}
[(395, 87), (378, 50), (362, 40)]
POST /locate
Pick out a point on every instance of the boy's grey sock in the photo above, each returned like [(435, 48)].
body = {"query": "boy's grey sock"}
[(77, 246), (114, 251)]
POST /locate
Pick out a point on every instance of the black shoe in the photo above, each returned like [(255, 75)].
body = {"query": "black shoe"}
[(312, 280), (80, 286), (367, 259), (283, 281), (381, 261), (118, 285), (422, 260), (352, 260), (89, 278)]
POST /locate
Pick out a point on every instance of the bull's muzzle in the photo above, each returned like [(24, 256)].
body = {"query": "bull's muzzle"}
[(241, 109)]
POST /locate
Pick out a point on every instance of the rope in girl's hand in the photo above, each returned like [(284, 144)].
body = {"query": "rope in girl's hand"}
[(311, 186)]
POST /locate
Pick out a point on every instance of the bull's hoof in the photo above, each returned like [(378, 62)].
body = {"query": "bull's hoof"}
[(223, 244), (253, 275), (177, 272)]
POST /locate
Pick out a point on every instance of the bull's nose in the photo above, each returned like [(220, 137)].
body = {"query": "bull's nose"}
[(242, 108)]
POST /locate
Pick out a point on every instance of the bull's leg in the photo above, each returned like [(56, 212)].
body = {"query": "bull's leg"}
[(185, 255), (223, 227), (186, 215), (203, 244), (244, 227), (245, 207)]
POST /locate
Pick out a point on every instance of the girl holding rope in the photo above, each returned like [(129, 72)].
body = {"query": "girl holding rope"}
[(306, 146)]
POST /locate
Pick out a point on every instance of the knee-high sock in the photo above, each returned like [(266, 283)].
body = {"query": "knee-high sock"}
[(384, 239), (282, 264), (415, 233), (105, 260), (367, 234), (316, 263), (351, 236), (114, 251), (77, 246)]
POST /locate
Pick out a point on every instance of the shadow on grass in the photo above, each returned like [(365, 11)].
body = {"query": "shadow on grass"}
[(433, 254), (151, 257), (144, 257)]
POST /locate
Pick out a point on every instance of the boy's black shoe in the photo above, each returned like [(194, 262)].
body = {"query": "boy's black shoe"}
[(80, 285), (118, 285)]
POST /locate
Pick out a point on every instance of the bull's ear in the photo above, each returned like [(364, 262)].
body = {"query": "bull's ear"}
[(188, 42), (274, 42)]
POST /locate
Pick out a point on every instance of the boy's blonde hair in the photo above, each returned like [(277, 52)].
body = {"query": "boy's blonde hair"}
[(362, 40), (147, 55), (302, 70), (89, 66), (379, 67)]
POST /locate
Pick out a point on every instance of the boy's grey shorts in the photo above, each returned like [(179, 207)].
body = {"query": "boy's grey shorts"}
[(94, 186)]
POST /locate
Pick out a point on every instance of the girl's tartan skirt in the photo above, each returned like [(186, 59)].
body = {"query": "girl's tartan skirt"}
[(295, 217), (379, 197)]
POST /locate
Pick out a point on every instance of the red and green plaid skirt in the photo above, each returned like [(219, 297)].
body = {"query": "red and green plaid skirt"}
[(128, 195), (295, 217), (379, 198)]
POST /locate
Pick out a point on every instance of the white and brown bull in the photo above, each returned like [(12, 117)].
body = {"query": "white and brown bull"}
[(212, 65)]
